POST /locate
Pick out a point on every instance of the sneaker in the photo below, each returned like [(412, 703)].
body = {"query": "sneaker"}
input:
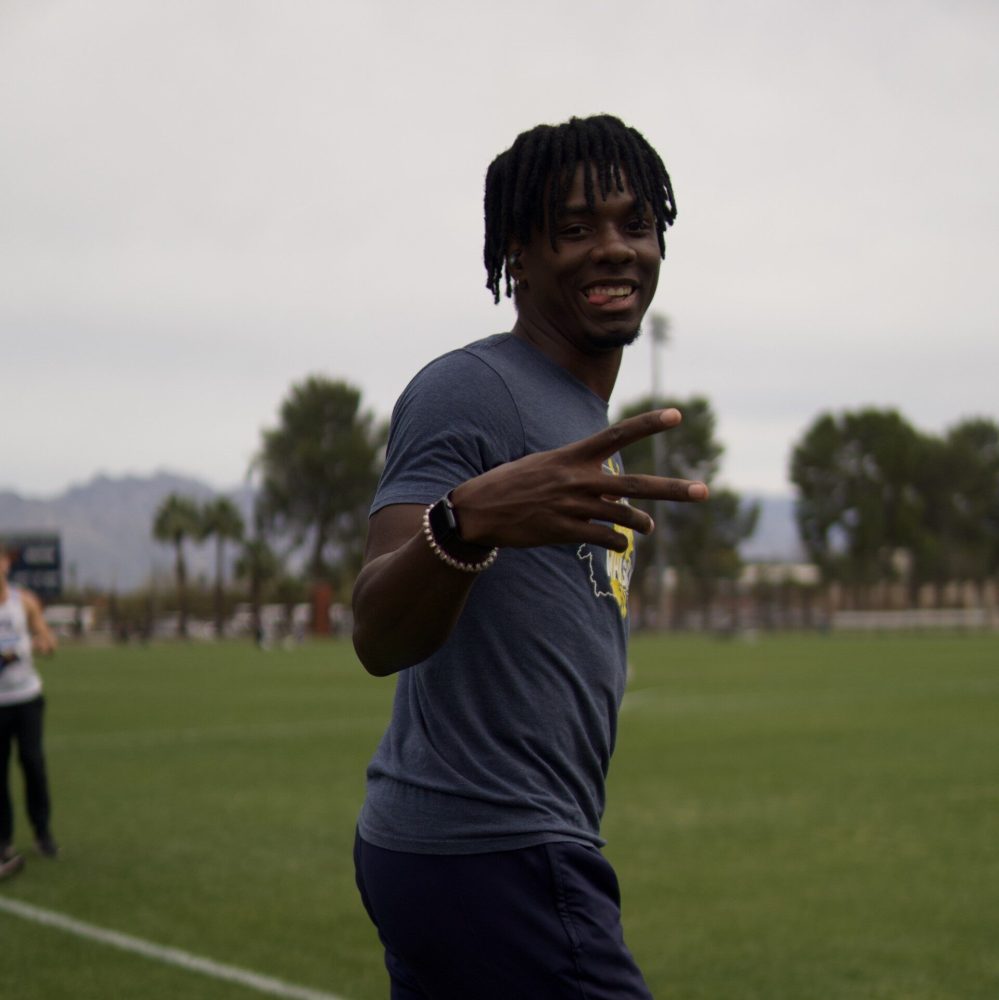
[(10, 861), (47, 847)]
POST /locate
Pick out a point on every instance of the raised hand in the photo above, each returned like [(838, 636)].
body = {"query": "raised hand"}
[(562, 495)]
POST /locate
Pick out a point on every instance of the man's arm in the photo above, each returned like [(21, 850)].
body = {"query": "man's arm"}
[(42, 639), (406, 600)]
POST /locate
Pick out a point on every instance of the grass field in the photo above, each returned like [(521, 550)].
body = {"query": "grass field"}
[(801, 818)]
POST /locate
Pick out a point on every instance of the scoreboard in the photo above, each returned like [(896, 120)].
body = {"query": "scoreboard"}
[(35, 562)]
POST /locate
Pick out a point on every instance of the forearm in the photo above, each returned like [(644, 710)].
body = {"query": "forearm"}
[(42, 639), (406, 602)]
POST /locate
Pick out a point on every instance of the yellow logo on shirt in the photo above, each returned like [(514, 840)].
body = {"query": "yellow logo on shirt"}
[(619, 565)]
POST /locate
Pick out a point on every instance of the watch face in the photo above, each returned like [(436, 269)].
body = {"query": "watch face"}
[(452, 519), (442, 521)]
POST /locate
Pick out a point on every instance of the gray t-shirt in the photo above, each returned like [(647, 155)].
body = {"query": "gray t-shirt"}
[(503, 737)]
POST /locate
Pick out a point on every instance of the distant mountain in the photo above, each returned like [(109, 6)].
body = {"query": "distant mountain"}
[(106, 528)]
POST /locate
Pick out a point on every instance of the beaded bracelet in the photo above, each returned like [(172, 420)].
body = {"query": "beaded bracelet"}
[(447, 558)]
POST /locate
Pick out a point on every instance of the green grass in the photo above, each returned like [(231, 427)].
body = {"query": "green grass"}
[(802, 818)]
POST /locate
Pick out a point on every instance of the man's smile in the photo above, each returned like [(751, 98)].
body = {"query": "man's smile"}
[(612, 295)]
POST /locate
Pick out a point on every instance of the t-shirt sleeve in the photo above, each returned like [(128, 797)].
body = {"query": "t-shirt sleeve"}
[(454, 421)]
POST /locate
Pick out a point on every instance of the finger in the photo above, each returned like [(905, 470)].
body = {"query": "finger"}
[(637, 487), (605, 537), (574, 531), (604, 443), (625, 515)]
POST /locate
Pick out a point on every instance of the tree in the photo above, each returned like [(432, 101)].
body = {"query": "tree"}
[(958, 480), (703, 539), (176, 519), (258, 565), (319, 468), (974, 444), (220, 518), (871, 486), (858, 500)]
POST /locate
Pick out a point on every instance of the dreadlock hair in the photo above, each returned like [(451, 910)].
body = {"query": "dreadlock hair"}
[(529, 182)]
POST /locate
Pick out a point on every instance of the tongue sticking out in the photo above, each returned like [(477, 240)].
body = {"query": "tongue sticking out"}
[(598, 299)]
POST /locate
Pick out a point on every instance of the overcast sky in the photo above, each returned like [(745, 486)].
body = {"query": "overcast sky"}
[(204, 201)]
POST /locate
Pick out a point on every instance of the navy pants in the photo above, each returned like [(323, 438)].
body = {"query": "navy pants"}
[(23, 723), (541, 923)]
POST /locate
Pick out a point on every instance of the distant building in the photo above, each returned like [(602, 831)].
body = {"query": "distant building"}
[(36, 562)]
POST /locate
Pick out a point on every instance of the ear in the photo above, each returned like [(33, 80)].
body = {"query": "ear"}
[(513, 255)]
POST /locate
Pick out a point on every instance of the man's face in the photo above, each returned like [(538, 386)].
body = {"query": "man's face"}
[(594, 289)]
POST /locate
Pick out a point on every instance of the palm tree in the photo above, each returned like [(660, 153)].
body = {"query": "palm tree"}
[(177, 518), (259, 565), (221, 518)]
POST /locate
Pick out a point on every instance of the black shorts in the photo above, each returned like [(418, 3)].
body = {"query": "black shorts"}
[(541, 923)]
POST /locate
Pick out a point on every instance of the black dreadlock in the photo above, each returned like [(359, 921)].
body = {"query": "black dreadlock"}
[(530, 181)]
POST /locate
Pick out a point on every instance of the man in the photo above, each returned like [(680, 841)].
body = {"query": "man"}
[(495, 584), (22, 631)]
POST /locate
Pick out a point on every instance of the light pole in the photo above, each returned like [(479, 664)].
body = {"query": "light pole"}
[(660, 335)]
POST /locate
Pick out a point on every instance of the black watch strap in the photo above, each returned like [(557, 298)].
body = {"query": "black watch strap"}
[(440, 526)]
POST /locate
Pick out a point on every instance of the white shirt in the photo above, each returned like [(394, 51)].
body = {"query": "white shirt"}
[(19, 681)]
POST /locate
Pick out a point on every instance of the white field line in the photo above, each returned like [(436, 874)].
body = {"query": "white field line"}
[(635, 696), (159, 953)]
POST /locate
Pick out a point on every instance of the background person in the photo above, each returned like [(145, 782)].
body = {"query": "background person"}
[(23, 632), (496, 584)]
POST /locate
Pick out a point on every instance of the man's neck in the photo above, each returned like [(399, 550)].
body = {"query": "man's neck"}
[(597, 371)]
